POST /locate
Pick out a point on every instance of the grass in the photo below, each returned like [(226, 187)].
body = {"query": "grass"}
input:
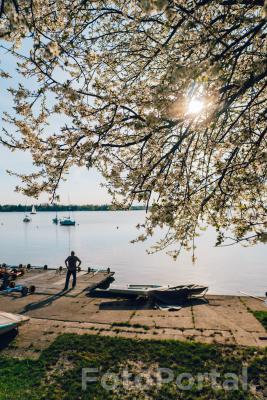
[(129, 325), (57, 374), (262, 317)]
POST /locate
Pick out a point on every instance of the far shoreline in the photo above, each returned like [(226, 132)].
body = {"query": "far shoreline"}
[(64, 208)]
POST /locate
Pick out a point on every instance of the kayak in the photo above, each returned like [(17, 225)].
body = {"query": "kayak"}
[(9, 321)]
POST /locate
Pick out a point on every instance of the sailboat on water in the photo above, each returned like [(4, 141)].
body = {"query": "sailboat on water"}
[(67, 221), (33, 211), (26, 218), (55, 220)]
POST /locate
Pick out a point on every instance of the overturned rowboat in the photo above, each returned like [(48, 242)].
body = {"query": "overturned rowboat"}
[(9, 321)]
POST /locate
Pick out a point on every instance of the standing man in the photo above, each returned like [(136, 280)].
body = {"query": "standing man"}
[(71, 264)]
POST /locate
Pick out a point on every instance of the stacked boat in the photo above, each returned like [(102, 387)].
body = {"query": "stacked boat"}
[(9, 322)]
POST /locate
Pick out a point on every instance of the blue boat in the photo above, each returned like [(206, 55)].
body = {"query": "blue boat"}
[(67, 221)]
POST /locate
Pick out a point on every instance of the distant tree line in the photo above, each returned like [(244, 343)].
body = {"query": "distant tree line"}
[(57, 207)]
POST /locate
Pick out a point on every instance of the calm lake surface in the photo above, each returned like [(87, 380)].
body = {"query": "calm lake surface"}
[(99, 243)]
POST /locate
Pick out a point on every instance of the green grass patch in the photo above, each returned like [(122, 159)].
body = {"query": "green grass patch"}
[(121, 324), (262, 317), (127, 324), (57, 375)]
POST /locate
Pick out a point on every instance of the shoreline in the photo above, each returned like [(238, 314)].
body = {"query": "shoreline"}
[(66, 208)]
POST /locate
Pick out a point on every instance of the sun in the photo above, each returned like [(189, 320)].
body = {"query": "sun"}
[(195, 106)]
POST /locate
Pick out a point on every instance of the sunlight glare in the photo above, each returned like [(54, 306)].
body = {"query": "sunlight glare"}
[(195, 106)]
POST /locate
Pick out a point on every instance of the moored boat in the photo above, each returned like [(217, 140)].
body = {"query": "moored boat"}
[(26, 218), (33, 211), (67, 221)]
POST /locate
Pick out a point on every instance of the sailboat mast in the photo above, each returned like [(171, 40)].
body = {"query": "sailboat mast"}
[(69, 205)]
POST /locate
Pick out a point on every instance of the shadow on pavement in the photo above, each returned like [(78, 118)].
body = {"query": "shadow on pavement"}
[(44, 303), (7, 338), (141, 303)]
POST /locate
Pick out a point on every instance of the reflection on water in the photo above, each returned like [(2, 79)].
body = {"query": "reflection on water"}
[(101, 239)]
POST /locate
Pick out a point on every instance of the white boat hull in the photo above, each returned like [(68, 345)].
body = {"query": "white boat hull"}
[(33, 211), (7, 328), (166, 294), (9, 321)]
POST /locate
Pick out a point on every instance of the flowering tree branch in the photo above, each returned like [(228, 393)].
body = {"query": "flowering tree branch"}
[(166, 98)]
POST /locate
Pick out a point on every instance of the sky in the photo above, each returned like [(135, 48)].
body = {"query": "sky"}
[(83, 186)]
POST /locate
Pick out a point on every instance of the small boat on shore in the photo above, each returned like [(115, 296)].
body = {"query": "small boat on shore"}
[(165, 294), (134, 290), (177, 293), (9, 321)]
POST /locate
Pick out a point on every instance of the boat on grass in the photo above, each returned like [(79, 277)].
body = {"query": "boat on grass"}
[(9, 321)]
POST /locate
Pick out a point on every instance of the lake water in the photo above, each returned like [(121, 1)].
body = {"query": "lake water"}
[(99, 243)]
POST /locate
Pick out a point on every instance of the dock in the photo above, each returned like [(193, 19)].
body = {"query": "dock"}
[(51, 281)]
